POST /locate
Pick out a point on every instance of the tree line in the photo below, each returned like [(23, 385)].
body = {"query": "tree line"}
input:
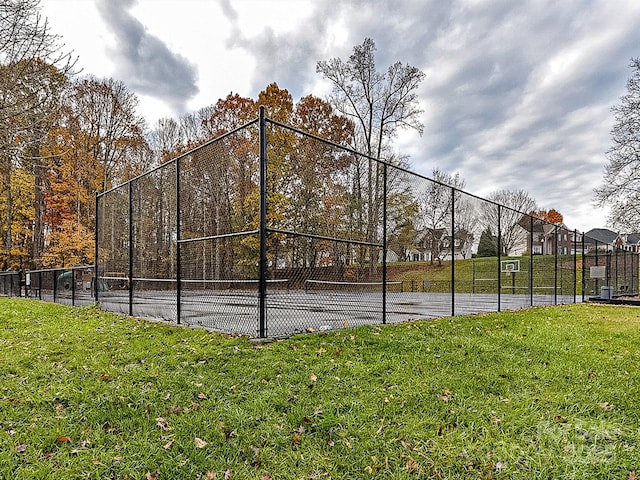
[(64, 137)]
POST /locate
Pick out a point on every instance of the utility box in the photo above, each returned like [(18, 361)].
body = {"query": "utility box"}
[(606, 293)]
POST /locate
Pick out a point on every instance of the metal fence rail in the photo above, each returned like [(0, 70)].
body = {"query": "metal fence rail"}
[(268, 231), (69, 286), (10, 285)]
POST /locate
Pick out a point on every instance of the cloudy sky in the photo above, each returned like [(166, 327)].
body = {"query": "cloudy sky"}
[(517, 94)]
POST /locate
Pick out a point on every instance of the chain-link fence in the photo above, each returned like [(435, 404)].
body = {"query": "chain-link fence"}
[(69, 286), (269, 231), (10, 285)]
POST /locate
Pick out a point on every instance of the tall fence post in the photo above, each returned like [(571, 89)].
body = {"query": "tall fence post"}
[(575, 266), (262, 281), (555, 266), (130, 248), (584, 266), (96, 246), (499, 260), (453, 251), (178, 263), (384, 243), (531, 261)]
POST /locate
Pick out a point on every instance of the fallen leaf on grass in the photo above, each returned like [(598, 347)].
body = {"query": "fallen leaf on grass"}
[(444, 398), (296, 440), (167, 445), (200, 443), (605, 405), (412, 465), (21, 448), (312, 377), (227, 475), (63, 439), (256, 457), (162, 424)]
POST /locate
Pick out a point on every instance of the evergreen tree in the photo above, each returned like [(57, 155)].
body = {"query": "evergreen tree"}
[(488, 246)]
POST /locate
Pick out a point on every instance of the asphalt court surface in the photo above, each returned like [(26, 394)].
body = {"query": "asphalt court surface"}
[(295, 311)]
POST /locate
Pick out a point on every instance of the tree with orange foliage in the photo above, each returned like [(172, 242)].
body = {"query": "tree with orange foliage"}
[(551, 216), (34, 66)]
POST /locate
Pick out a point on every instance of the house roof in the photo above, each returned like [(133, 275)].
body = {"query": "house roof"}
[(633, 238), (603, 235)]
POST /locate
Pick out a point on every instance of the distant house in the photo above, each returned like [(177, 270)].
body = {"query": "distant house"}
[(435, 245), (601, 239), (607, 240), (629, 242), (547, 238)]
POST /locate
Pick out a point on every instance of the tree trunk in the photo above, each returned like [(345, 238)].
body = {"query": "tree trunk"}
[(38, 220)]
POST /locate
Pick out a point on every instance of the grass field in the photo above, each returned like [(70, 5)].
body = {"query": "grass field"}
[(544, 393), (473, 274)]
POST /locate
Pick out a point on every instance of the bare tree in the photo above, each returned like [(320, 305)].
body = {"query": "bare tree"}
[(621, 186), (436, 198), (379, 104), (105, 111), (466, 227), (506, 213), (166, 140)]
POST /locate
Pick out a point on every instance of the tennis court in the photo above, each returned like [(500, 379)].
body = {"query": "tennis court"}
[(305, 310), (267, 202)]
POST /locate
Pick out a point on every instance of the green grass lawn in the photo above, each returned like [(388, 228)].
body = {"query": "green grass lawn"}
[(480, 275), (549, 392)]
